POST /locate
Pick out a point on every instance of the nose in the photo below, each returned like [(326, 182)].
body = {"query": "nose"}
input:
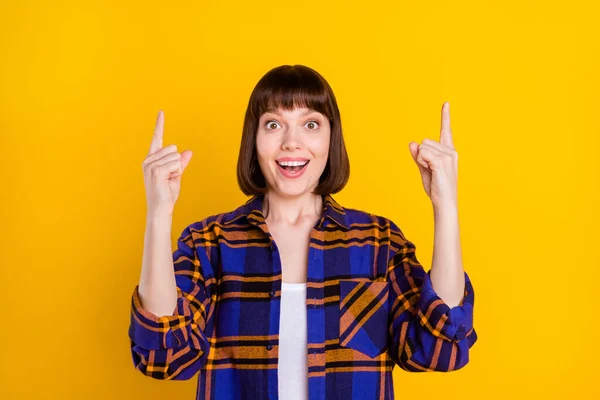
[(291, 139)]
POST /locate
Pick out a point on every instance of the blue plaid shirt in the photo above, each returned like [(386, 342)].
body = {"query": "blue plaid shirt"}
[(370, 306)]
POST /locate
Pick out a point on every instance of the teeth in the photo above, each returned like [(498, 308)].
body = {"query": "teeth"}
[(292, 163)]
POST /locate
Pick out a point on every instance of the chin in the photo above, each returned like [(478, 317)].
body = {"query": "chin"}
[(292, 189), (292, 192)]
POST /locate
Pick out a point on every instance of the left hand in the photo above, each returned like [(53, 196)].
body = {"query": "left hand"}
[(438, 164)]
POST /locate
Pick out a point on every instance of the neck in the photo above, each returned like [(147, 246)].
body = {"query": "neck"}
[(291, 210)]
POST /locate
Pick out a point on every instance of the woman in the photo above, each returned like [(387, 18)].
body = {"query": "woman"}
[(292, 295)]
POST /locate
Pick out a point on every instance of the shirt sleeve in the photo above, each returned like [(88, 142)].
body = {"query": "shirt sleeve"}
[(176, 346), (426, 334)]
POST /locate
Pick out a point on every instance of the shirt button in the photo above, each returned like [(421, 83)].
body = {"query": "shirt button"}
[(269, 347), (272, 293), (272, 246)]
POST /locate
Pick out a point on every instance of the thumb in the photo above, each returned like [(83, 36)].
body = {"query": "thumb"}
[(413, 147), (186, 156)]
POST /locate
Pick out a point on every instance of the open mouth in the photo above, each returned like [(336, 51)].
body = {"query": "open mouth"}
[(293, 167)]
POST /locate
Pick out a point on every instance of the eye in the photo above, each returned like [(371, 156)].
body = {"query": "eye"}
[(313, 122), (269, 122)]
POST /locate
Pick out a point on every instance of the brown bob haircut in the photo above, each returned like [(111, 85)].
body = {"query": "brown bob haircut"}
[(289, 87)]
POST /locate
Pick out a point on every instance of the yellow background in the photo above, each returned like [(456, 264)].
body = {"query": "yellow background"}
[(82, 82)]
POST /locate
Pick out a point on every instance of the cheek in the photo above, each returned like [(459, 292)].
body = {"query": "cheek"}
[(322, 147), (264, 147)]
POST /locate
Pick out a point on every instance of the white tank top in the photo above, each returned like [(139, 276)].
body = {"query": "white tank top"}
[(292, 369)]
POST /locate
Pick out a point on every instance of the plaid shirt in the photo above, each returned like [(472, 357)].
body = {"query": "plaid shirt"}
[(370, 306)]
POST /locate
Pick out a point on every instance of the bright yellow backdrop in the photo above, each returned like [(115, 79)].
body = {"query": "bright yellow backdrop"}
[(81, 83)]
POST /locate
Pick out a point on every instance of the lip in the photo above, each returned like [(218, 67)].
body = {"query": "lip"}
[(291, 159), (288, 174)]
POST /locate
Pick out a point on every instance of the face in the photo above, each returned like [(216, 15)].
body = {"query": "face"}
[(292, 149)]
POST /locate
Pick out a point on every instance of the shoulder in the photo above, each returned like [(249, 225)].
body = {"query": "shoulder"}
[(213, 224), (361, 219), (376, 226)]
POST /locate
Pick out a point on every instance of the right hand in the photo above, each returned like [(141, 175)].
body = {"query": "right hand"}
[(163, 168)]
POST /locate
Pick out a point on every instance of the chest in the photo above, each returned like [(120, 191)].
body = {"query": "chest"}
[(248, 261), (345, 271), (293, 247)]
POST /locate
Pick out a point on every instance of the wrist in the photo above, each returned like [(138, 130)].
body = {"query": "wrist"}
[(160, 219), (445, 211)]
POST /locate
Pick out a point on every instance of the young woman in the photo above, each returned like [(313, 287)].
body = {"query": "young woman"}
[(291, 295)]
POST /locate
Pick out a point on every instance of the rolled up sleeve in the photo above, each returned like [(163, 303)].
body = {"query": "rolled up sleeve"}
[(452, 324), (176, 346), (425, 333), (166, 332)]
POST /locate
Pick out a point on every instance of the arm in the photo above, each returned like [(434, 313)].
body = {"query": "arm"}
[(447, 273), (175, 345), (426, 333), (157, 290)]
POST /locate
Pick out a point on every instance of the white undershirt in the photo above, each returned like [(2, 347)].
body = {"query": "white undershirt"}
[(292, 364)]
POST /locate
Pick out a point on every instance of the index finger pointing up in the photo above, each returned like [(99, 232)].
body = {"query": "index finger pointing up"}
[(157, 138), (446, 132)]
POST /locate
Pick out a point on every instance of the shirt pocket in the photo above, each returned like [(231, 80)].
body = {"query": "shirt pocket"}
[(364, 316)]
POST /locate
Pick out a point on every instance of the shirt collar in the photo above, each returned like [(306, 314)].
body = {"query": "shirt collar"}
[(252, 210)]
